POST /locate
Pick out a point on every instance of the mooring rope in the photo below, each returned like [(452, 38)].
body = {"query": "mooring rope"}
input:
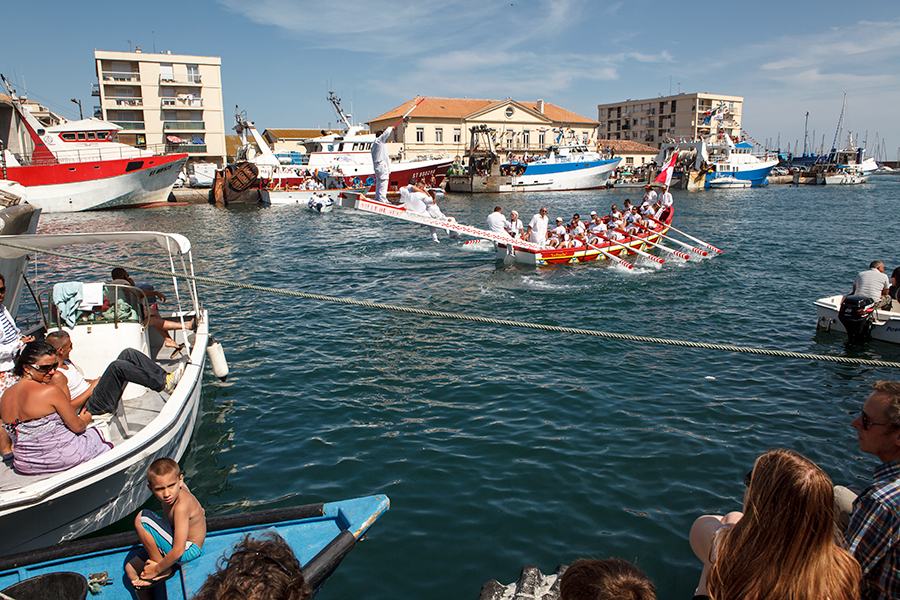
[(460, 317)]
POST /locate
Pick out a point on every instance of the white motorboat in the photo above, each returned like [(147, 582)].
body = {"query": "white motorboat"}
[(80, 165), (728, 182), (310, 198), (881, 325), (201, 174), (41, 510)]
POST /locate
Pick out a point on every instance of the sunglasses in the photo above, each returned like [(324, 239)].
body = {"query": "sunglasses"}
[(3, 290), (866, 422), (44, 368)]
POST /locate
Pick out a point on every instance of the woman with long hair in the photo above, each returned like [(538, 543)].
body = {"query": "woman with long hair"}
[(783, 545), (49, 436)]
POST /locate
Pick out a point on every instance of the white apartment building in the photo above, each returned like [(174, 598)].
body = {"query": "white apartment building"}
[(167, 102), (652, 121)]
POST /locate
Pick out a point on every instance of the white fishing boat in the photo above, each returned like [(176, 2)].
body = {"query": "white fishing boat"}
[(80, 165), (346, 156), (848, 175), (41, 510), (727, 182), (854, 316), (569, 164), (310, 198)]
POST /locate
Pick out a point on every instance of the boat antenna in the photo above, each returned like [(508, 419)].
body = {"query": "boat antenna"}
[(837, 134)]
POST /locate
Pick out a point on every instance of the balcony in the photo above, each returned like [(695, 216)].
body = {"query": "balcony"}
[(95, 89), (188, 148), (183, 126), (189, 79), (181, 102), (129, 125), (121, 76), (124, 101)]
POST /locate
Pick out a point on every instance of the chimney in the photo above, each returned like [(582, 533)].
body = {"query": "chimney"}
[(137, 48), (540, 106)]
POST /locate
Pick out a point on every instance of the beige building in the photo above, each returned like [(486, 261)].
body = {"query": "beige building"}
[(633, 154), (165, 102), (441, 126), (684, 116)]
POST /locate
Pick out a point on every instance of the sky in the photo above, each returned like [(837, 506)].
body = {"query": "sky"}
[(281, 57)]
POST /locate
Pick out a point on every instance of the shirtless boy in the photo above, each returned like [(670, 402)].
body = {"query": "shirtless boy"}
[(177, 539)]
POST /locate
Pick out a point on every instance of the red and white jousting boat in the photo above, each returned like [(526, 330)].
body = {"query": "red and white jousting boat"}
[(80, 165), (521, 251)]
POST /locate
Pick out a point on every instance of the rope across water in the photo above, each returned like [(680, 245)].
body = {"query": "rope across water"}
[(476, 319)]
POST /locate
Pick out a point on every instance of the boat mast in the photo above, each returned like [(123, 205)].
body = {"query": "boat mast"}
[(805, 131), (336, 102)]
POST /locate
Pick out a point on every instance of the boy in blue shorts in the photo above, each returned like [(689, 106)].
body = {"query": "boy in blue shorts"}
[(176, 539)]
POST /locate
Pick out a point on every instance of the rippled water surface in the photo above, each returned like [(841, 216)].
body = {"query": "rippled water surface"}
[(502, 446)]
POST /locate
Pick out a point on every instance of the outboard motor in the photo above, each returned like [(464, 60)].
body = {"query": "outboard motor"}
[(857, 315)]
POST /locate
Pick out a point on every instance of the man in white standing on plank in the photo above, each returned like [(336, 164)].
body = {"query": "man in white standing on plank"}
[(382, 163)]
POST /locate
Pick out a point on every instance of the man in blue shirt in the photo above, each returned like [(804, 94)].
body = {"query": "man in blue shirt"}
[(873, 535)]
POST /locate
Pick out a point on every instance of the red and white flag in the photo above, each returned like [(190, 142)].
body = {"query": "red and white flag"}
[(665, 176)]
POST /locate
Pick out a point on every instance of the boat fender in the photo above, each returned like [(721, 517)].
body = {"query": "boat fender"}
[(217, 361)]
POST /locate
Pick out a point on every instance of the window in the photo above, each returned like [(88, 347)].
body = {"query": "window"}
[(526, 137), (91, 135), (420, 134), (673, 105), (193, 73), (672, 121), (439, 135), (602, 112), (629, 160), (541, 139), (69, 137), (456, 135), (166, 72), (81, 136), (510, 112)]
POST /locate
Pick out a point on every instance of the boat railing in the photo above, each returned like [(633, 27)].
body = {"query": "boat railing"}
[(121, 304)]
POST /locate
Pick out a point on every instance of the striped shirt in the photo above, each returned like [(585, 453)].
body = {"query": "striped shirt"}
[(873, 536), (8, 329)]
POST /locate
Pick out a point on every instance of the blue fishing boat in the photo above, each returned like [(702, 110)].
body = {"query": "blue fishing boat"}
[(320, 535)]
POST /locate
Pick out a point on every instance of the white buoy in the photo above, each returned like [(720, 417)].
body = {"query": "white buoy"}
[(217, 361)]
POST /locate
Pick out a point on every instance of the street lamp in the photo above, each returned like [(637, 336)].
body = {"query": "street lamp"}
[(78, 102)]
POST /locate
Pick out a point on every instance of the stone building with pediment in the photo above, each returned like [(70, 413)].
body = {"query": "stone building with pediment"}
[(441, 126)]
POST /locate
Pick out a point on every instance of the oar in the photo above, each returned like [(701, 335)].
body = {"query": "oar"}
[(632, 248), (422, 99), (710, 246), (677, 253), (679, 242), (622, 262)]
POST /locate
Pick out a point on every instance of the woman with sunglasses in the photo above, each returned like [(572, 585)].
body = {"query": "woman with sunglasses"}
[(783, 545), (48, 435)]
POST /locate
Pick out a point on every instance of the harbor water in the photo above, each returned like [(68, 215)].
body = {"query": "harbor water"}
[(502, 446)]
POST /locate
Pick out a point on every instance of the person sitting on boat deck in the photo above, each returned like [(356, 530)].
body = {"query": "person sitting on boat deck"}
[(627, 206), (649, 195), (176, 539), (783, 543), (100, 397), (48, 435), (537, 227), (871, 520), (614, 233), (596, 229), (893, 292), (614, 213), (381, 160), (262, 568), (559, 236), (874, 284), (497, 223), (11, 342), (577, 230), (633, 221), (609, 579), (514, 225), (162, 326)]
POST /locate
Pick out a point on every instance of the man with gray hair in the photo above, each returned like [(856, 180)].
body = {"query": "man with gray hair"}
[(873, 533), (874, 284)]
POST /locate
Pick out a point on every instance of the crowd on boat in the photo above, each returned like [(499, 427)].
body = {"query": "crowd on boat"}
[(597, 229)]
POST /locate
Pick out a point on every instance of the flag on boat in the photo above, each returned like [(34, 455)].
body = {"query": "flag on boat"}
[(665, 175)]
